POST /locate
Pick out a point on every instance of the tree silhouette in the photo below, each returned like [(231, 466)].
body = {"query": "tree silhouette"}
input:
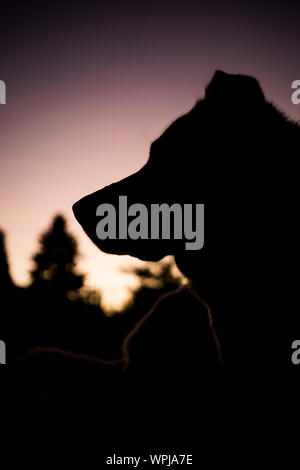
[(162, 275), (154, 280), (55, 261), (5, 278)]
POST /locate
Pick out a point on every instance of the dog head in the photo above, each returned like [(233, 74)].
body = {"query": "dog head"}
[(216, 155)]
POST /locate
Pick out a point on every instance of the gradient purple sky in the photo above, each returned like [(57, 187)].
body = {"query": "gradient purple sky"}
[(89, 88)]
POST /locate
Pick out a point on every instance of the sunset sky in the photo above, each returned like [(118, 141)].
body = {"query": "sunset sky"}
[(89, 88)]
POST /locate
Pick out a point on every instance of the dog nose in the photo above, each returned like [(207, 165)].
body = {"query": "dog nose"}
[(75, 209), (84, 209), (80, 211)]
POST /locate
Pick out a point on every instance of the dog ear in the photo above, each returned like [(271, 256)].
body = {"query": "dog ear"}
[(229, 88), (217, 85)]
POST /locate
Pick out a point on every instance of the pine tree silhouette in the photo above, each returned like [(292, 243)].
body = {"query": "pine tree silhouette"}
[(5, 278), (55, 261)]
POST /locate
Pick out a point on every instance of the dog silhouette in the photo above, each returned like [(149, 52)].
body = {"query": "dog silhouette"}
[(233, 153), (218, 348)]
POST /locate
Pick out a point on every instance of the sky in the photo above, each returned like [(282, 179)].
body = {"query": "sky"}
[(90, 87)]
